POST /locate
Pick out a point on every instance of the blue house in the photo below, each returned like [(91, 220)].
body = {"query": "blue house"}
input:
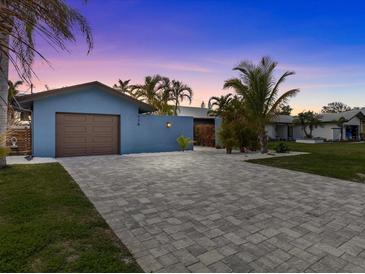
[(95, 119)]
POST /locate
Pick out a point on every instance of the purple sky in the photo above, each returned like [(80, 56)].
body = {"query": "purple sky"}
[(199, 42)]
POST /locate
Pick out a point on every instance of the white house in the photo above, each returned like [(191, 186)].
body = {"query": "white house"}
[(283, 128)]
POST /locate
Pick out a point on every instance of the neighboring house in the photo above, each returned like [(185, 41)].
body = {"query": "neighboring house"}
[(205, 126), (94, 119), (282, 128)]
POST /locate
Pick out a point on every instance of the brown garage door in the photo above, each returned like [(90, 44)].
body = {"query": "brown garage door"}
[(86, 134)]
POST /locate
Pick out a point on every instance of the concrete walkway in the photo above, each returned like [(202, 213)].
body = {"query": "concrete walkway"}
[(206, 211), (21, 160)]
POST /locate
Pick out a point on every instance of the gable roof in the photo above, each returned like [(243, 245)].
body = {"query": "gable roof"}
[(348, 115), (28, 98), (325, 117), (196, 112), (284, 119)]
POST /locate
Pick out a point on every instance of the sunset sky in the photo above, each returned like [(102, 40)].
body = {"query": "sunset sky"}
[(199, 42)]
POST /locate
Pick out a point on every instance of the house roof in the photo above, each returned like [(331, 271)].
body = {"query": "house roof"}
[(348, 115), (284, 119), (325, 117), (26, 100), (196, 112)]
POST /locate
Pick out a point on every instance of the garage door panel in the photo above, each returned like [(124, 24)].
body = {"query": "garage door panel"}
[(75, 140), (101, 140), (86, 134), (103, 119), (75, 150), (74, 129), (74, 118), (103, 129)]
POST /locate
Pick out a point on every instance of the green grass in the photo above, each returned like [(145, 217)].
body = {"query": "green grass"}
[(48, 225), (338, 160)]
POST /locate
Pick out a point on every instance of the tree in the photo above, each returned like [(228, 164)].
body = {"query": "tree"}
[(308, 120), (285, 110), (219, 104), (148, 90), (179, 92), (228, 137), (55, 21), (163, 97), (156, 91), (340, 122), (260, 92), (12, 92), (124, 87), (335, 107)]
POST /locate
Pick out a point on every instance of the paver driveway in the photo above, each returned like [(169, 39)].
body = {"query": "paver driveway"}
[(206, 211)]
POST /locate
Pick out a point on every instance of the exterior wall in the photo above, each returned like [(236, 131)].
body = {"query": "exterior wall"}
[(298, 132), (271, 131), (139, 133), (325, 131), (355, 121), (282, 132), (152, 135)]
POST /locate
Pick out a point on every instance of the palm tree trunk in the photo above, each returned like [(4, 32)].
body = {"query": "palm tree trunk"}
[(4, 71), (175, 110), (263, 143)]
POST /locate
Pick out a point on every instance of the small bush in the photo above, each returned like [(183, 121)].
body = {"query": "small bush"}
[(282, 148), (3, 151), (227, 137), (183, 142)]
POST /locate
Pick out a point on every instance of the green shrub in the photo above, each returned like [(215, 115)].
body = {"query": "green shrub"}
[(183, 142), (3, 151), (228, 137), (282, 148)]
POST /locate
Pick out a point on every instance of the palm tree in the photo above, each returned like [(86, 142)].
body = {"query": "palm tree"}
[(148, 91), (260, 92), (12, 92), (340, 122), (55, 21), (124, 87), (164, 96), (219, 104), (179, 92)]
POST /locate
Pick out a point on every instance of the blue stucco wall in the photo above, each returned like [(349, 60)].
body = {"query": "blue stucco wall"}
[(153, 136), (138, 132)]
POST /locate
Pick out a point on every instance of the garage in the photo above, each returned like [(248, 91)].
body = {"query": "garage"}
[(95, 119), (86, 134)]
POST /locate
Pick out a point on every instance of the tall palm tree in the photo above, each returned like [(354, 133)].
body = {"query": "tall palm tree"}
[(260, 92), (55, 21), (219, 104), (180, 91), (124, 87), (164, 96), (148, 91)]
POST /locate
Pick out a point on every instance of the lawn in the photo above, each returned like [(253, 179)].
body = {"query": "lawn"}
[(338, 160), (48, 225)]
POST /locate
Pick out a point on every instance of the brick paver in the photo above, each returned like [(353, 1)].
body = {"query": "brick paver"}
[(209, 212)]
